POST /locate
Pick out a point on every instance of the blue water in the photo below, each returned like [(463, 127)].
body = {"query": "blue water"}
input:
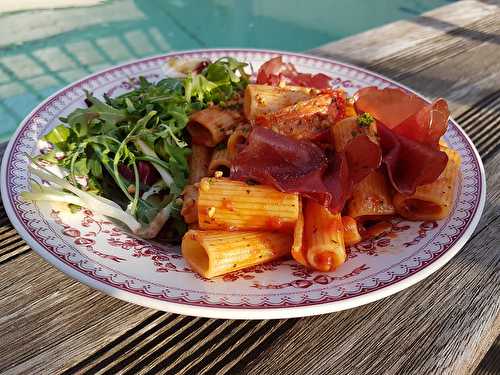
[(70, 43)]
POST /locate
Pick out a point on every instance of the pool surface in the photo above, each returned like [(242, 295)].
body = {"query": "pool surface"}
[(42, 50)]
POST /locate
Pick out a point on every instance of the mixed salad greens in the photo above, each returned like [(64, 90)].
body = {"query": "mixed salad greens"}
[(127, 157)]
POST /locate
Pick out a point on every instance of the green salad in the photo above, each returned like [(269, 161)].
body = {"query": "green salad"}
[(127, 157)]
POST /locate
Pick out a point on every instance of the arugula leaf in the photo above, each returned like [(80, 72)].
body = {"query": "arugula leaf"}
[(147, 125)]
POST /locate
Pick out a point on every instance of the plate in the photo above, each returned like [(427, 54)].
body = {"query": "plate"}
[(96, 252)]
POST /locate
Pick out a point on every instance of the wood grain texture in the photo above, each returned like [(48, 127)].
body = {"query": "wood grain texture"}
[(490, 365), (52, 321), (445, 324)]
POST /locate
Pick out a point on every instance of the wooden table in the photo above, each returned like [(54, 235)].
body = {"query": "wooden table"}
[(444, 324)]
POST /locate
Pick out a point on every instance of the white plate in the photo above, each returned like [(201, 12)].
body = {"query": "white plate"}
[(94, 251)]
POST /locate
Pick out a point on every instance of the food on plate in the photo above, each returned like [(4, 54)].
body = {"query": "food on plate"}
[(242, 172)]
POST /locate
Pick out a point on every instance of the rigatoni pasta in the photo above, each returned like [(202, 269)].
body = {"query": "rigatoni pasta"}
[(324, 236), (211, 126), (432, 201), (351, 232), (346, 129), (298, 246), (371, 198), (214, 253), (198, 162), (232, 205), (237, 139), (221, 161), (262, 99), (304, 120), (189, 210)]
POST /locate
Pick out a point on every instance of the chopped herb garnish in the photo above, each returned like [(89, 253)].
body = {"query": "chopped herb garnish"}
[(365, 120)]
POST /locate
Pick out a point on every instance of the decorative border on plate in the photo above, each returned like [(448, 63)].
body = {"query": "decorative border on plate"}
[(33, 224)]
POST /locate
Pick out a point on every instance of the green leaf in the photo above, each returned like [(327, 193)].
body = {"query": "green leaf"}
[(95, 168), (58, 135), (81, 168)]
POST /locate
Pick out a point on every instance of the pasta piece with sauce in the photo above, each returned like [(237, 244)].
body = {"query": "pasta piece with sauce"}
[(371, 198), (214, 253), (432, 201), (324, 237), (298, 246), (221, 161), (212, 125), (189, 209), (307, 119), (237, 139), (346, 129), (198, 162), (262, 99), (232, 205), (351, 232)]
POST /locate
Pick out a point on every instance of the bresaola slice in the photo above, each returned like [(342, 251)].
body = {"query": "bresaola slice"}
[(301, 166), (363, 156), (409, 163), (274, 159), (389, 106), (409, 131), (275, 71), (427, 125)]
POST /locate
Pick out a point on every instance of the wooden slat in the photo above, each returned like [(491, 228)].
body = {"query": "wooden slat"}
[(490, 365), (52, 321), (74, 328)]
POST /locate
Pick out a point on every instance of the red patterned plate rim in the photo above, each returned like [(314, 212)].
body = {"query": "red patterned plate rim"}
[(242, 310)]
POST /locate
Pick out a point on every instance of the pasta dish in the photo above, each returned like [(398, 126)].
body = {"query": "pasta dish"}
[(244, 169)]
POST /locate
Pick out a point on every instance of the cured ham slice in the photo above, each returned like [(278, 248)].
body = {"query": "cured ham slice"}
[(275, 72), (300, 166), (409, 131), (427, 125), (409, 163), (389, 106)]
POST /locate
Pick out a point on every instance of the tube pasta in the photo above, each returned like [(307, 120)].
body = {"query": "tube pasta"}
[(211, 126), (324, 237), (298, 248), (189, 210), (262, 99), (237, 138), (432, 201), (351, 233), (346, 129), (198, 163), (307, 119), (371, 198), (214, 253), (233, 205), (221, 161)]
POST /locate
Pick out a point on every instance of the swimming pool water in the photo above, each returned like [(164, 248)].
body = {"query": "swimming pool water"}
[(43, 50)]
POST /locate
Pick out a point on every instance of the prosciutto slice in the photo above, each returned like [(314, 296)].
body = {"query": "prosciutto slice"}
[(409, 131), (292, 165), (275, 71)]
